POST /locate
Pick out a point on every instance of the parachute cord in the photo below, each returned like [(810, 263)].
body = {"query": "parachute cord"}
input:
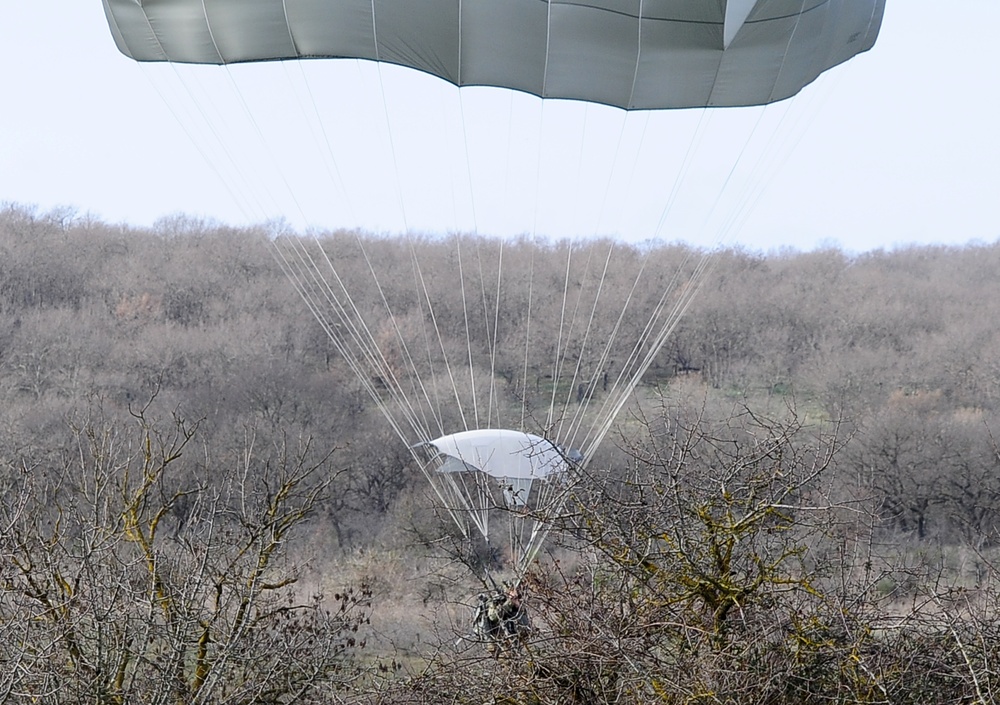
[(390, 375), (484, 499), (815, 100), (606, 352), (447, 363), (431, 398), (360, 366), (625, 378), (330, 164), (583, 399), (749, 198), (569, 334), (538, 169), (445, 120), (537, 529), (449, 493), (680, 308), (682, 304), (392, 146), (372, 361), (707, 263), (551, 500), (657, 330), (605, 356), (421, 282), (559, 339), (468, 336), (365, 339), (514, 535), (673, 304), (732, 169), (486, 324), (265, 144), (534, 241), (527, 336), (629, 378), (638, 151), (610, 179), (510, 140), (468, 161), (437, 404), (693, 144), (494, 342), (475, 227), (249, 207), (578, 188)]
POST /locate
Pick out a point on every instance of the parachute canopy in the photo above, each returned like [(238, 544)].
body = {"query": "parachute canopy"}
[(514, 458), (473, 469), (633, 54), (503, 453)]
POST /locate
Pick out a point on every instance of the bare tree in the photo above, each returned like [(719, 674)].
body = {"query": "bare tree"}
[(128, 581)]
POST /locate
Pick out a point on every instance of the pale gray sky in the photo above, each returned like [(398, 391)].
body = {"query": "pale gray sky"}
[(900, 145)]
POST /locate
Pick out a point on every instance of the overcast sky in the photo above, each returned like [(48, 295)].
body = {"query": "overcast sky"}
[(900, 145)]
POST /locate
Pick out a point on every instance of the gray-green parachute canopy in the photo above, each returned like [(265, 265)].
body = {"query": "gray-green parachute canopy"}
[(633, 54)]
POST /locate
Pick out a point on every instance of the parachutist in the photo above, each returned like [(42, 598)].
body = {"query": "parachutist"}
[(500, 619)]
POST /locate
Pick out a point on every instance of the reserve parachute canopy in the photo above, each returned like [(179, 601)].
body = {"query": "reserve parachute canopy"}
[(513, 458), (480, 470), (633, 54)]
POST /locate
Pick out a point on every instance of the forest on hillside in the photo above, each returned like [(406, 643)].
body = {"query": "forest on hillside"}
[(201, 503)]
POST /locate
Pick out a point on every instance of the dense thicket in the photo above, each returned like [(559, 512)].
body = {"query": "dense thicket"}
[(891, 354)]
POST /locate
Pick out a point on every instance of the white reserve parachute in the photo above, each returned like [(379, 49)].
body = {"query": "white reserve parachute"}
[(484, 469)]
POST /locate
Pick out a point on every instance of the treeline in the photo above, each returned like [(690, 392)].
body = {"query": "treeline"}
[(899, 344)]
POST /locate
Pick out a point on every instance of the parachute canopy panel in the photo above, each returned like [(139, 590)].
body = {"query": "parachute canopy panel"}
[(635, 55), (500, 453)]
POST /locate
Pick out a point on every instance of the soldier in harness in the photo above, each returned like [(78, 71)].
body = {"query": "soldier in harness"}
[(500, 619)]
